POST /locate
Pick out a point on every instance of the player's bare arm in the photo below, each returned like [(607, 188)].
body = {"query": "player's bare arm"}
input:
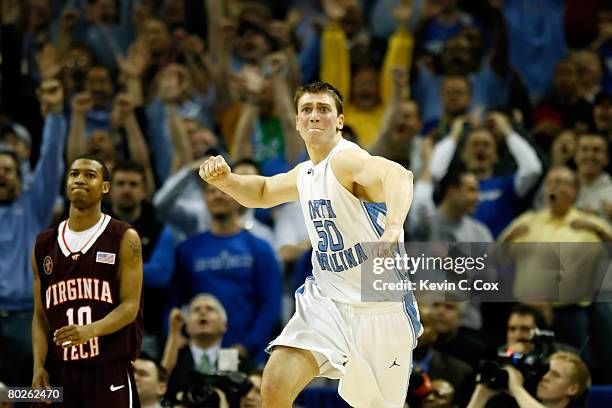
[(376, 179), (40, 335), (250, 191), (130, 280)]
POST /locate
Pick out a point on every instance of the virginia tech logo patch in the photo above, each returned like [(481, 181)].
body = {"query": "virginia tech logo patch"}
[(48, 265)]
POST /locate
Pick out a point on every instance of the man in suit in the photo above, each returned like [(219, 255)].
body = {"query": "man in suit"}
[(205, 325)]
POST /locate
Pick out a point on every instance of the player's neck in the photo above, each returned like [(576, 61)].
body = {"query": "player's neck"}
[(318, 153), (82, 219)]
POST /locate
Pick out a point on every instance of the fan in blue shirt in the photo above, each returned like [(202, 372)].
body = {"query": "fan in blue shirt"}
[(23, 214), (498, 194), (241, 270)]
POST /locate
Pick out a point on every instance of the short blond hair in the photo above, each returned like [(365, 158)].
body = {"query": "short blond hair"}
[(580, 374), (320, 88)]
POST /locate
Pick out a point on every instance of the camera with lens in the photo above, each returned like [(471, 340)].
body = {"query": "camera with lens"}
[(533, 365), (200, 390)]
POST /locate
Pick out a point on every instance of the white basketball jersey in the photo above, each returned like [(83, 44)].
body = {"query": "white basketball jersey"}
[(338, 226)]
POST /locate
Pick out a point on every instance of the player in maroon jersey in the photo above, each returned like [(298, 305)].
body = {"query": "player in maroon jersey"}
[(87, 324)]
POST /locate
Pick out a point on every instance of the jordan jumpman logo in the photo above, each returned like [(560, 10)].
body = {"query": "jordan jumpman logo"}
[(394, 363)]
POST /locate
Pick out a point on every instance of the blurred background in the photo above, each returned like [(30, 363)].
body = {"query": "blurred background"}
[(502, 109)]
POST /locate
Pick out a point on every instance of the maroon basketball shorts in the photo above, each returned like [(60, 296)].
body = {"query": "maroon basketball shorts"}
[(109, 385)]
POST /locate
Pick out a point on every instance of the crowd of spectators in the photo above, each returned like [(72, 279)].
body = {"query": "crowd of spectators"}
[(502, 109)]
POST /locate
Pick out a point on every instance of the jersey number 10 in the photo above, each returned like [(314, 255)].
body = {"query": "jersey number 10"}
[(83, 315), (80, 352)]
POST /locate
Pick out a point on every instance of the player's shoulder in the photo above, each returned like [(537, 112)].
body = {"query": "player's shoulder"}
[(348, 154), (117, 226), (48, 235), (301, 167), (121, 232), (347, 148)]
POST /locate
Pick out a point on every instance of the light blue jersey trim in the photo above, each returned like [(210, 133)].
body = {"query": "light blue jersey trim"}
[(410, 307), (373, 210), (300, 290)]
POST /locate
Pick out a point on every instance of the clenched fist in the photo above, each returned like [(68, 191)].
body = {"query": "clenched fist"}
[(215, 170), (176, 321)]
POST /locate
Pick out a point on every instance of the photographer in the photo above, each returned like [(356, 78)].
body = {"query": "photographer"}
[(151, 381), (522, 321), (253, 398), (562, 386), (527, 348)]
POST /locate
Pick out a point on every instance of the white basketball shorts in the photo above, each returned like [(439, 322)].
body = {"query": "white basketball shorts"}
[(368, 347)]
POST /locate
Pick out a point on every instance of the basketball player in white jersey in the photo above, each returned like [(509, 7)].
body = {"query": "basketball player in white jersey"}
[(367, 345)]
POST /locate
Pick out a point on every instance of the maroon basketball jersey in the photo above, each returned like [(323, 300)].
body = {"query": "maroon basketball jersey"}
[(83, 287)]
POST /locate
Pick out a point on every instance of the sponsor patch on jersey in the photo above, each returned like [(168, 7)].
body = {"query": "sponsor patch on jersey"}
[(105, 257), (48, 265)]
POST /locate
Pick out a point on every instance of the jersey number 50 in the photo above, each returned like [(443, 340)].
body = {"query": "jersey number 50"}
[(330, 236)]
